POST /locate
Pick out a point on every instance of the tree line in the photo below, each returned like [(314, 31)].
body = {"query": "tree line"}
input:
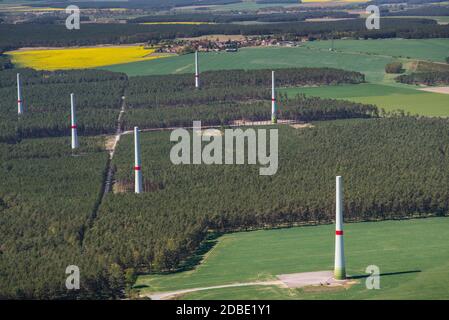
[(98, 98), (427, 78), (47, 198), (227, 96), (49, 35), (300, 108), (229, 85)]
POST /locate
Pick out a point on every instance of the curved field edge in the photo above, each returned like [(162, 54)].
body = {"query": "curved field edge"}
[(411, 254)]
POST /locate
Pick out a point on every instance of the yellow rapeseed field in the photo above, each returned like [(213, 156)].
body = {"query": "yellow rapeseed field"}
[(8, 8), (80, 58)]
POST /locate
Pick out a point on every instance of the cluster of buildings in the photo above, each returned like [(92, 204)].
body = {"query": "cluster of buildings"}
[(232, 44)]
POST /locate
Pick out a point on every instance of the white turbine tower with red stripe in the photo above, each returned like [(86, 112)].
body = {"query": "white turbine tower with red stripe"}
[(197, 71), (19, 96), (73, 125), (137, 162), (339, 268), (273, 100)]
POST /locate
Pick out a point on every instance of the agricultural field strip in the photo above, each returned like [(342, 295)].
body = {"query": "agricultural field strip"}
[(357, 254), (361, 53), (80, 57)]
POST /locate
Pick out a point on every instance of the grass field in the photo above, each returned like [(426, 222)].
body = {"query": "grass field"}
[(425, 49), (412, 255), (384, 96), (261, 58), (366, 56), (439, 19), (80, 58)]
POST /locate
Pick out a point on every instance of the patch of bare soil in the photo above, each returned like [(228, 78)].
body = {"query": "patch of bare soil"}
[(318, 279), (109, 142), (302, 125), (210, 133), (443, 90), (330, 287), (127, 186), (260, 123), (412, 66), (310, 281)]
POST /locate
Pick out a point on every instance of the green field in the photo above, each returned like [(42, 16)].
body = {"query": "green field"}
[(438, 19), (261, 58), (366, 56), (244, 5), (413, 257), (423, 49), (384, 96)]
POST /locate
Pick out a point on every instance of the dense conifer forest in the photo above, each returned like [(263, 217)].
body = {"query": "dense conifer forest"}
[(393, 168), (47, 198), (165, 101), (46, 96), (52, 213), (427, 78), (98, 98), (300, 108)]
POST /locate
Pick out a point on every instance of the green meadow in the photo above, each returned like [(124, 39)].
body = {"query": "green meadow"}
[(390, 98), (261, 58), (366, 56), (422, 49), (413, 257)]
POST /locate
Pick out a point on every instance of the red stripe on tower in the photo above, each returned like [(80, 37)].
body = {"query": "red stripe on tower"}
[(137, 168), (339, 233)]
